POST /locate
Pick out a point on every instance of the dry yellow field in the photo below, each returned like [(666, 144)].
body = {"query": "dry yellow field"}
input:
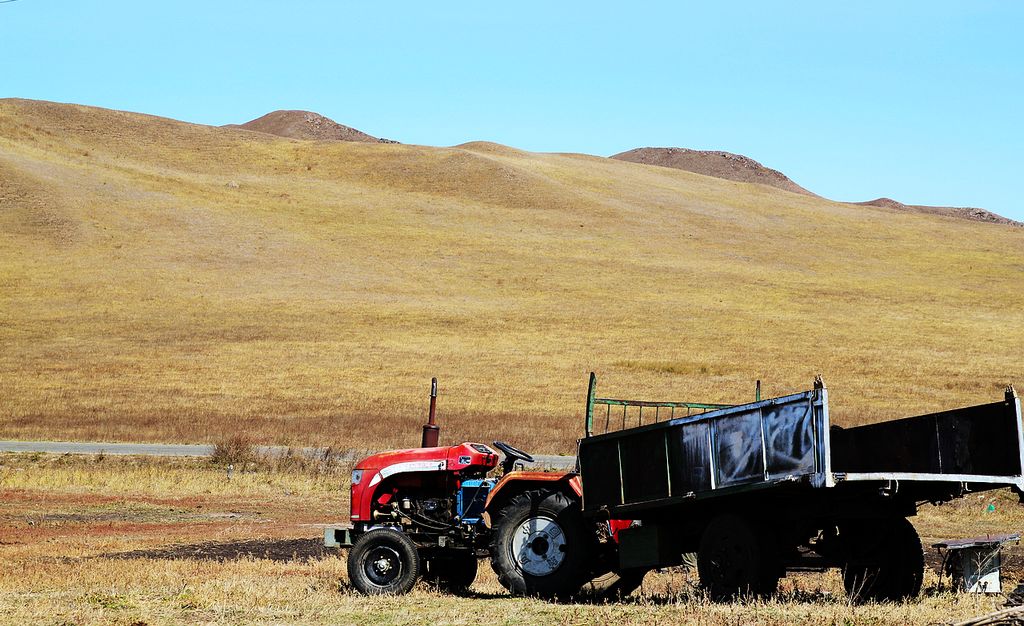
[(144, 542), (173, 282)]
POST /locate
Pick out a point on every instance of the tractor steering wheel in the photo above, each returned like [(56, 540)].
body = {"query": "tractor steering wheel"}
[(511, 456)]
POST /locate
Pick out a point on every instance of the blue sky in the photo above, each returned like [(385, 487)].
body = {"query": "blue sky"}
[(919, 101)]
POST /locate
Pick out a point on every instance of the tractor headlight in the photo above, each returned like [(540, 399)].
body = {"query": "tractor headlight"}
[(357, 475)]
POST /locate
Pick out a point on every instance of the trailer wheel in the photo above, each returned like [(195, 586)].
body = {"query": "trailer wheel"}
[(735, 559), (383, 562), (884, 559), (539, 546), (451, 573)]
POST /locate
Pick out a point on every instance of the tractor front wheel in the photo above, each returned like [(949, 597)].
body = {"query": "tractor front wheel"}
[(540, 546), (383, 562)]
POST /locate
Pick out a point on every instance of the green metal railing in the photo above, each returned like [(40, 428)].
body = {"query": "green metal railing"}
[(671, 408)]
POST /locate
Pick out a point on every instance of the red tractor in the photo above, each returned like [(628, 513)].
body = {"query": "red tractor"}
[(432, 512)]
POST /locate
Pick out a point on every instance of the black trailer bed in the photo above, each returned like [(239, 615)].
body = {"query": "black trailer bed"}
[(788, 441)]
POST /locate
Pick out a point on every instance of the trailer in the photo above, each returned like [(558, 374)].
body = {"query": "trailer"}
[(759, 489)]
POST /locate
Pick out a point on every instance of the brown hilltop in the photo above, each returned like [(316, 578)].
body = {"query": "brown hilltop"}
[(885, 203), (744, 169), (964, 213), (306, 125), (713, 163)]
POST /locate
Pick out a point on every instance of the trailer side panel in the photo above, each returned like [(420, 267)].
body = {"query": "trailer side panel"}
[(980, 440), (748, 445)]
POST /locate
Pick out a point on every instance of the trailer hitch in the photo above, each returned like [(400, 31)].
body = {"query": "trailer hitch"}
[(890, 489)]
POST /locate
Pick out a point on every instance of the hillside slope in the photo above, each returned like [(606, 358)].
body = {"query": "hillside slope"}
[(169, 281)]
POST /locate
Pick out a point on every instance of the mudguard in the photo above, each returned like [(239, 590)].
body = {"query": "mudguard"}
[(515, 483)]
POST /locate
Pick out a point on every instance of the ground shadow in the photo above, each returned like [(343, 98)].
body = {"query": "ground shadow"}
[(272, 549), (474, 595)]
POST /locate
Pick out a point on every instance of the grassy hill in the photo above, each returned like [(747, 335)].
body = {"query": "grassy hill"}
[(169, 281)]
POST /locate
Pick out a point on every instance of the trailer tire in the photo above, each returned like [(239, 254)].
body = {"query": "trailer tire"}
[(736, 558), (383, 562), (451, 573), (540, 546), (884, 559)]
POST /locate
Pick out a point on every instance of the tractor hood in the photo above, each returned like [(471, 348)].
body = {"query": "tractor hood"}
[(451, 458), (373, 472)]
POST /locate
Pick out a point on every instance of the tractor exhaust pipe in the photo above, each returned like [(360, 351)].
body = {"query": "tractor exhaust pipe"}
[(431, 429)]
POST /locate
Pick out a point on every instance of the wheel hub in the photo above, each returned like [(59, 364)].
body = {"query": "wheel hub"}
[(383, 565), (538, 546)]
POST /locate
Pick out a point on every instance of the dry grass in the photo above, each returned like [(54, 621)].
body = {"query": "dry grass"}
[(262, 591), (234, 450), (165, 281), (129, 541), (113, 476)]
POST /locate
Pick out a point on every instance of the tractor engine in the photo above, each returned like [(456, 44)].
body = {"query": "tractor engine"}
[(415, 509)]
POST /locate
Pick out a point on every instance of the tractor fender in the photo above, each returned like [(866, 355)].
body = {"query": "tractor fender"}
[(514, 483)]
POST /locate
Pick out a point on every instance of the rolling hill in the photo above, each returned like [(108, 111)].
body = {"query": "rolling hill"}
[(169, 281)]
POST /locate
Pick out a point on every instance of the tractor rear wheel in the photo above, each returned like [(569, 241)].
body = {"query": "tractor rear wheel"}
[(736, 558), (451, 573), (383, 562), (540, 546), (884, 559)]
